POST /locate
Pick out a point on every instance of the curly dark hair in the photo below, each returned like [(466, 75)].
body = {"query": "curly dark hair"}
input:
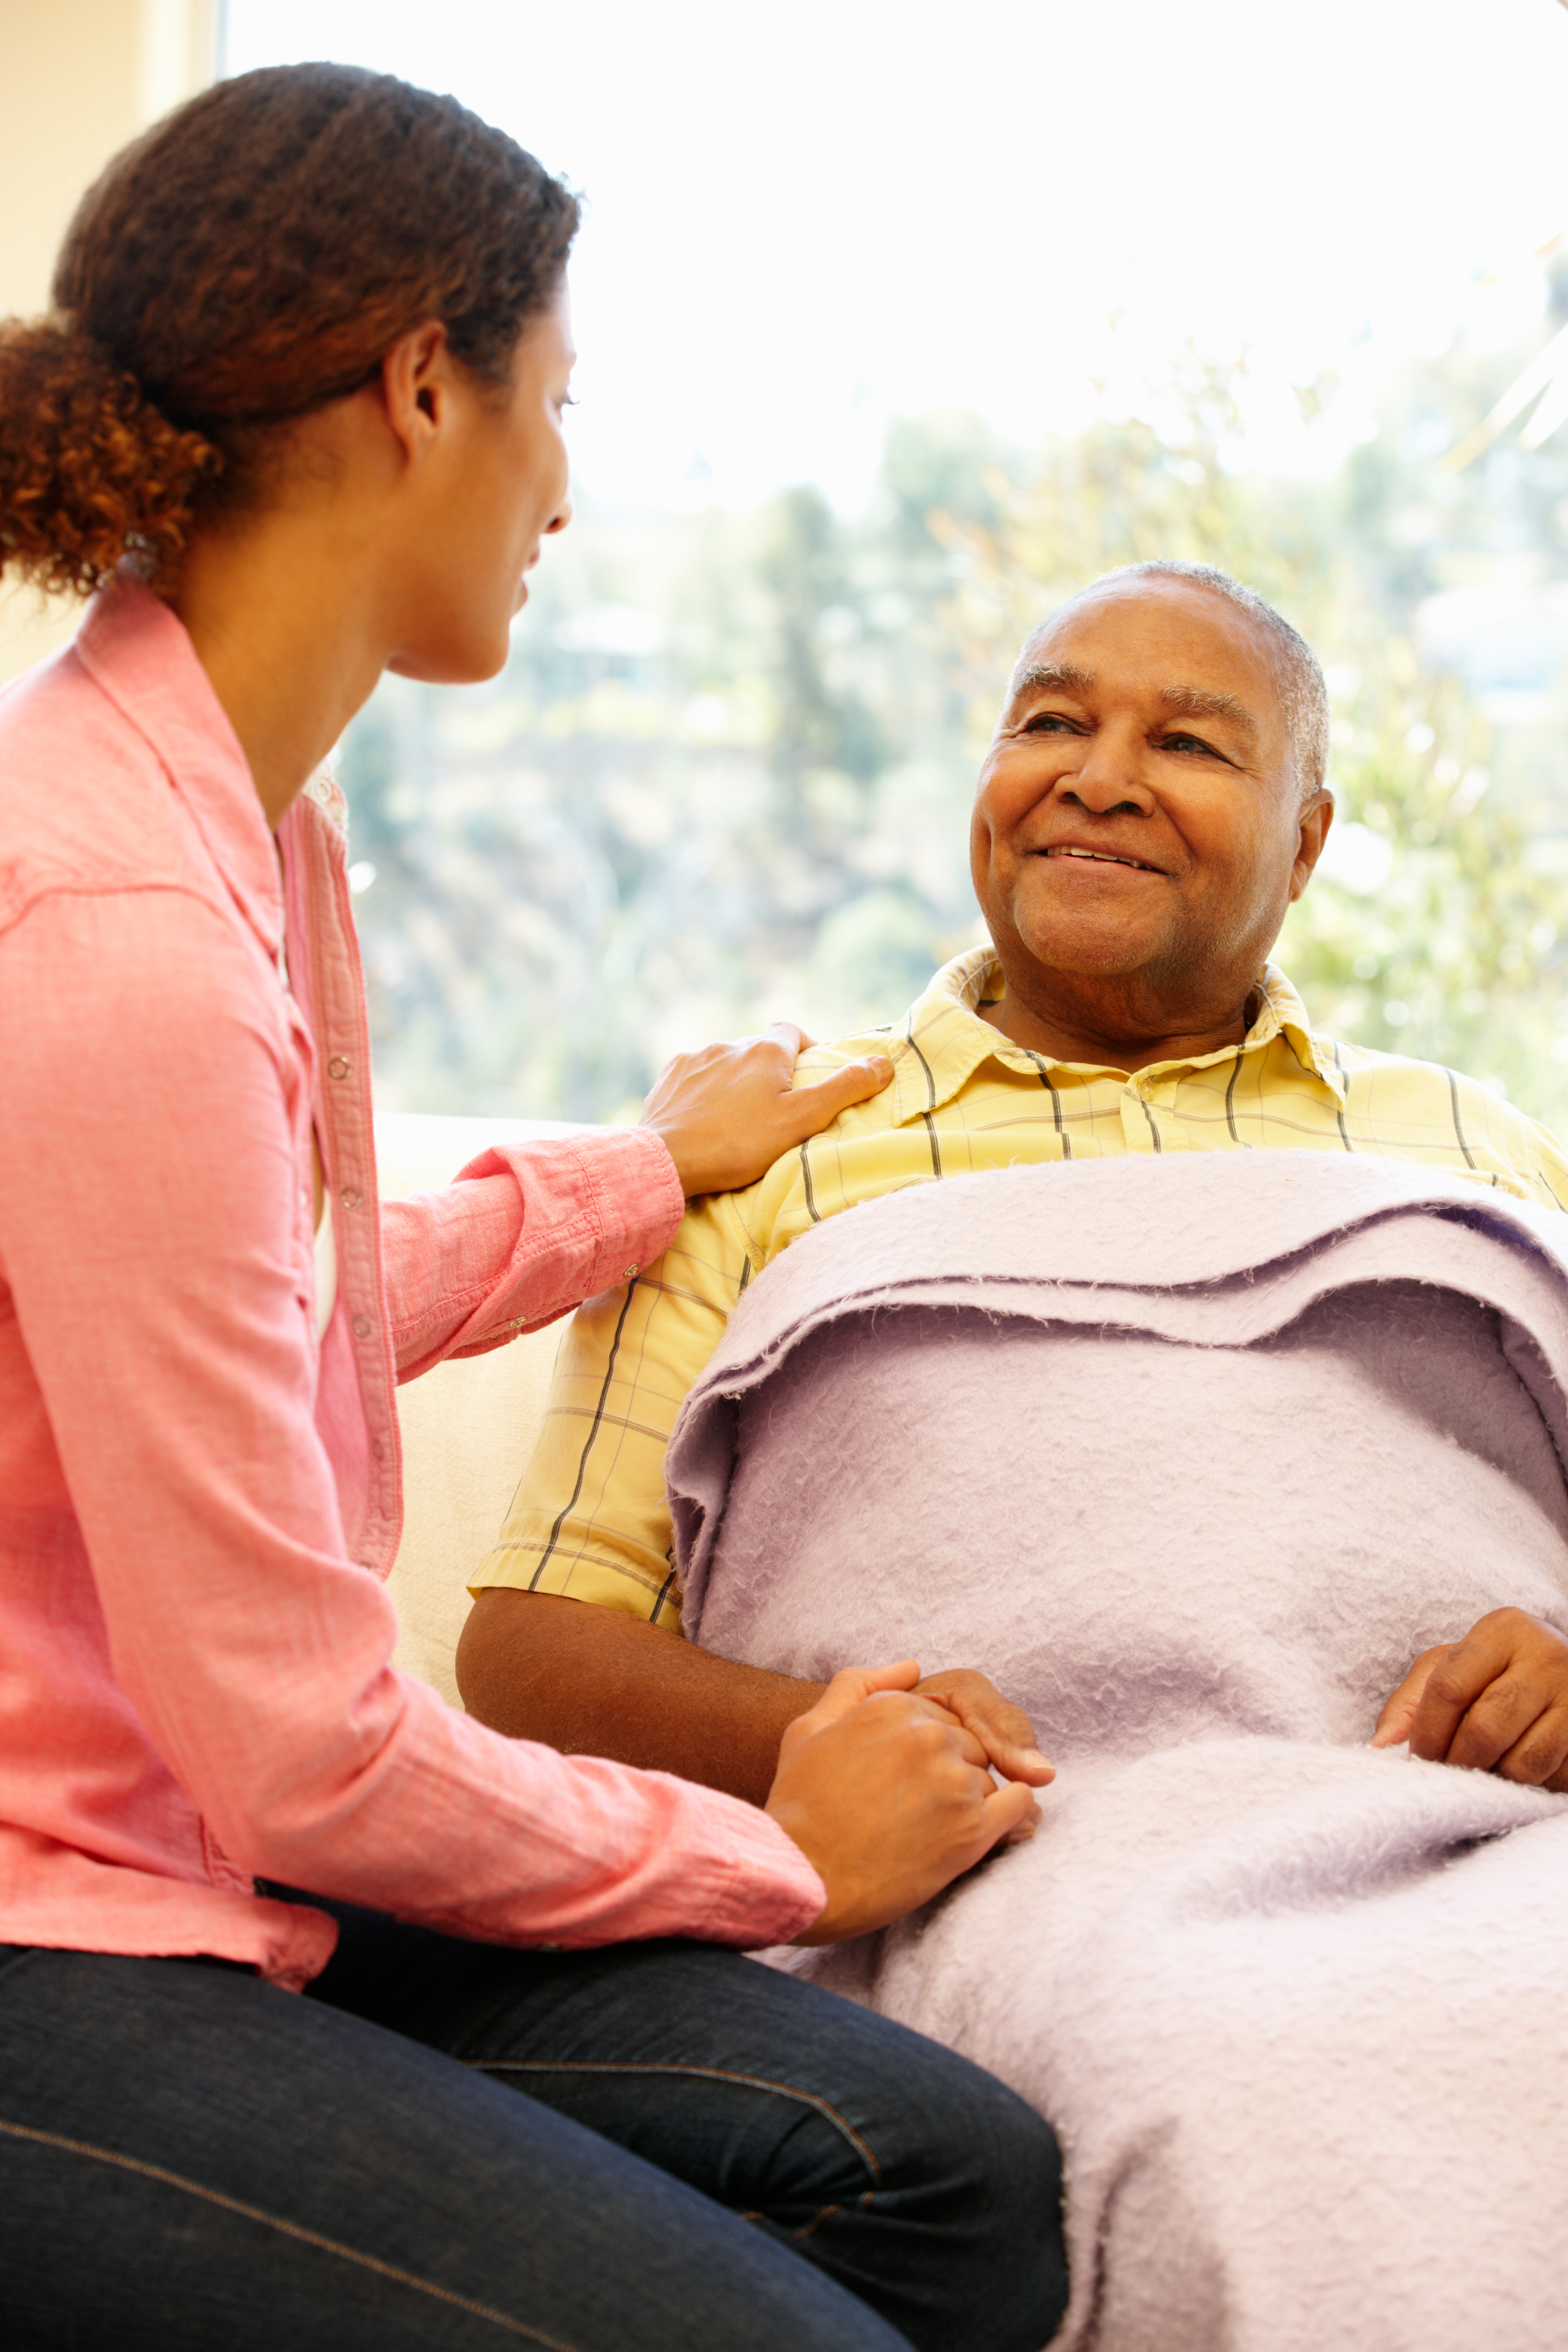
[(249, 259)]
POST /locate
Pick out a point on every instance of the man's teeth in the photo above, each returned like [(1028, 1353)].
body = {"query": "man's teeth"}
[(1101, 857)]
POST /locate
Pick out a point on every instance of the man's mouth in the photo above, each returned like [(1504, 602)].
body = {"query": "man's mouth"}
[(1103, 858)]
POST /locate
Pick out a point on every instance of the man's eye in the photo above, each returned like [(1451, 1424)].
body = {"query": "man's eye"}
[(1189, 743), (1048, 722)]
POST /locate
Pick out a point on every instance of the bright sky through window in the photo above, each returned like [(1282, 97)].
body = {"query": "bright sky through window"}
[(804, 221)]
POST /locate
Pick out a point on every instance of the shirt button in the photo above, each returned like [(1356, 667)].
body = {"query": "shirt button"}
[(361, 1326), (338, 1066), (631, 1274), (349, 1197), (377, 1448)]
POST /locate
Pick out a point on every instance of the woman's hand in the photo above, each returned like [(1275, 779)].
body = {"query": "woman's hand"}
[(889, 1798), (1497, 1701), (727, 1113)]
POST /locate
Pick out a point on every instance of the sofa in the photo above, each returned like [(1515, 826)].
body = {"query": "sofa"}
[(468, 1427)]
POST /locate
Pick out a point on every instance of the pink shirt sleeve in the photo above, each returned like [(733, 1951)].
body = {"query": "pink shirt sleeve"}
[(522, 1236), (151, 1241)]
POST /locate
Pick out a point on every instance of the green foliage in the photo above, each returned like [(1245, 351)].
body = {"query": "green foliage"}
[(1449, 953), (726, 774)]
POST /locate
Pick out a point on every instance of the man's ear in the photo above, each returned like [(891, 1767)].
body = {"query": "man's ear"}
[(1316, 815), (416, 384)]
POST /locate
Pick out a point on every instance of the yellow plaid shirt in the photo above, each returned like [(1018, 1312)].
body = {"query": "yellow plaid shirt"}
[(590, 1518)]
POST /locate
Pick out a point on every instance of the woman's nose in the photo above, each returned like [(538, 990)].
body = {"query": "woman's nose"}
[(561, 518)]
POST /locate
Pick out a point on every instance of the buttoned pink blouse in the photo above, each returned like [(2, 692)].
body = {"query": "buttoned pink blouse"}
[(197, 1506)]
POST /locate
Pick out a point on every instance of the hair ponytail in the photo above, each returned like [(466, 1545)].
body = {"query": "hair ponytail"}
[(89, 470), (251, 258)]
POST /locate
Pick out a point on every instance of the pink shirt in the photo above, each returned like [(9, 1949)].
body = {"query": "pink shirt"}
[(196, 1505)]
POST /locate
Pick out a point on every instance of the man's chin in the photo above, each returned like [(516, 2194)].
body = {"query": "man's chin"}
[(1094, 947)]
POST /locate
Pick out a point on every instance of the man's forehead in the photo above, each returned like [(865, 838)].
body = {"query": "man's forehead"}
[(1221, 667)]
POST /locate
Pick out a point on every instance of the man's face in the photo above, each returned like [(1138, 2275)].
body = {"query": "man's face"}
[(1139, 823)]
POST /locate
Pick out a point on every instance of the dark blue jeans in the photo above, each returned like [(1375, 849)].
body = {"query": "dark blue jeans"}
[(656, 2148)]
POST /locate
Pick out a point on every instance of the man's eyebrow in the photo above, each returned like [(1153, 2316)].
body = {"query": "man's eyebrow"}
[(1063, 676), (1194, 703)]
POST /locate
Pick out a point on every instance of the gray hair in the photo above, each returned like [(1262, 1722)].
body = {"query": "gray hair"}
[(1298, 674)]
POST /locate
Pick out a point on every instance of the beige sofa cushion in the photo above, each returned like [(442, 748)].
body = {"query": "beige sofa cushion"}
[(468, 1427)]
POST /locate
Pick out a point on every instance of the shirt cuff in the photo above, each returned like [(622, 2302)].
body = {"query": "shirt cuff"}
[(637, 1197), (768, 1893)]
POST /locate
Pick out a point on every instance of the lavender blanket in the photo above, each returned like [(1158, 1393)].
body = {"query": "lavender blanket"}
[(1192, 1456)]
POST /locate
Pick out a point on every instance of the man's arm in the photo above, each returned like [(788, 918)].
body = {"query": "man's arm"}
[(598, 1682)]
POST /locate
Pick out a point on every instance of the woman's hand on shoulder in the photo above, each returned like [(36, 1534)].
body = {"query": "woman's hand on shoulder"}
[(727, 1113)]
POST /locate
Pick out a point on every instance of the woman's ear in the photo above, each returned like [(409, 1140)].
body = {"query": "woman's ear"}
[(416, 386)]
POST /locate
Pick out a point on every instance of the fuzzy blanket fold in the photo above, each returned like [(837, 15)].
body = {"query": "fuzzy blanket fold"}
[(1193, 1456)]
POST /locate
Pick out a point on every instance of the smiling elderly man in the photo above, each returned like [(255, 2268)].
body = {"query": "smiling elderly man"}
[(1152, 803)]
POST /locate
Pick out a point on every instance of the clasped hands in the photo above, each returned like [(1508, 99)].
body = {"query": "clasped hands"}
[(1495, 1702), (886, 1785)]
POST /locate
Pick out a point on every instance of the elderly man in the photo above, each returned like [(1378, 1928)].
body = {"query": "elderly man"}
[(1151, 804)]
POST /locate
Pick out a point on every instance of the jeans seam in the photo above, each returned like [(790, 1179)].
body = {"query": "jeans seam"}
[(862, 2205), (815, 2223), (288, 2229), (708, 2074)]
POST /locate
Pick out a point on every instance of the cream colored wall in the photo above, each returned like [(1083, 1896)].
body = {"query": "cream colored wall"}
[(78, 79)]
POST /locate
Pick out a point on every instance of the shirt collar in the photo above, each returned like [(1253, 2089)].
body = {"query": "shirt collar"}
[(942, 1040), (1283, 1014), (142, 657)]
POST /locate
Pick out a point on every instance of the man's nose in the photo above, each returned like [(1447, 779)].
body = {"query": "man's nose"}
[(1109, 781), (560, 519)]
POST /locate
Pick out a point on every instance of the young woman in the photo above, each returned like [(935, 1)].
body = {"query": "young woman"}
[(294, 421)]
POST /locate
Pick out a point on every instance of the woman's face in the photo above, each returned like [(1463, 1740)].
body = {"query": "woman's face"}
[(490, 493)]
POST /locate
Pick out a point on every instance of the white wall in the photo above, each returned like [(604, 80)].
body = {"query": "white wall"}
[(78, 79)]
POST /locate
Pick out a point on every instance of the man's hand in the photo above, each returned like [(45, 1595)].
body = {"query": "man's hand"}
[(727, 1113), (889, 1798), (1004, 1730), (1495, 1702)]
